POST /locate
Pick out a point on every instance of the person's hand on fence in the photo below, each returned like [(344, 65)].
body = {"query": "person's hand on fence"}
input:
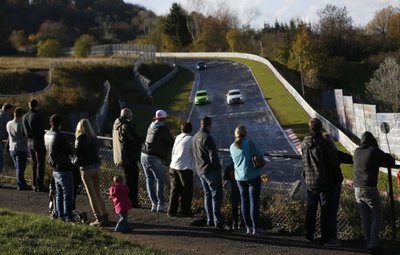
[(348, 183)]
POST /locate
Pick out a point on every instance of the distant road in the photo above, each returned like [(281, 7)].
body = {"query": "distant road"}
[(221, 76)]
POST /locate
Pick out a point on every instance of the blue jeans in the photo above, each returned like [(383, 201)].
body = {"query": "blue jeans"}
[(250, 201), (122, 224), (155, 178), (329, 202), (19, 159), (370, 206), (64, 183), (212, 187)]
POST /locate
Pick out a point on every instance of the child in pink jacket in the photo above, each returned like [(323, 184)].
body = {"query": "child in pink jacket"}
[(119, 195)]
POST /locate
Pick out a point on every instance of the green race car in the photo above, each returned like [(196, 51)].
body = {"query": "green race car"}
[(201, 97)]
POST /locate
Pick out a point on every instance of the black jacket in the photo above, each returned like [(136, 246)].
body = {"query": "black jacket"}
[(321, 165), (158, 141), (4, 118), (33, 126), (205, 152), (59, 150), (367, 160), (86, 151)]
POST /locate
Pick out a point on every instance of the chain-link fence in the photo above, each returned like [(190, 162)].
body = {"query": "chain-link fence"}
[(283, 205)]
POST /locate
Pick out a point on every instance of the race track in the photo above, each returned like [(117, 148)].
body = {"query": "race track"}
[(221, 76)]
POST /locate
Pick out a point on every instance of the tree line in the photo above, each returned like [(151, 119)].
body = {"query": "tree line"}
[(317, 51)]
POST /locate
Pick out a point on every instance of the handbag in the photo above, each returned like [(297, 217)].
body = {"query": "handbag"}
[(257, 160)]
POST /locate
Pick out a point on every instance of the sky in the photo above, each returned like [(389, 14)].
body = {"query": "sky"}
[(361, 11)]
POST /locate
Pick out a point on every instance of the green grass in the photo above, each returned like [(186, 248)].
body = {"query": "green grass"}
[(171, 97), (27, 233)]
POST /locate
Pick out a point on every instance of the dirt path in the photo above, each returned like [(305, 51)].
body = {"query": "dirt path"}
[(176, 235)]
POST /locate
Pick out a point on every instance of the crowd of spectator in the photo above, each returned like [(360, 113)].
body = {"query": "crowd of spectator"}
[(188, 154)]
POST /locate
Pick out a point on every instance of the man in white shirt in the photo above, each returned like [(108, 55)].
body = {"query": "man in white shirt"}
[(181, 173)]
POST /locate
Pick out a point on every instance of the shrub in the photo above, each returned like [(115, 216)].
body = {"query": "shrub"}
[(82, 46), (50, 48), (286, 214)]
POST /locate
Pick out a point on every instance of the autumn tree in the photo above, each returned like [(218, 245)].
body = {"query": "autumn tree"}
[(233, 38), (18, 39), (304, 57), (55, 30), (394, 30), (82, 45), (280, 50), (213, 35), (175, 27), (384, 84), (379, 25)]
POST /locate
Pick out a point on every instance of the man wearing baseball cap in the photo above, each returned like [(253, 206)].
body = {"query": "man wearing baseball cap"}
[(156, 148)]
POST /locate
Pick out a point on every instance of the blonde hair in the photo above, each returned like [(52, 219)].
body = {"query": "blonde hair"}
[(240, 133), (84, 127)]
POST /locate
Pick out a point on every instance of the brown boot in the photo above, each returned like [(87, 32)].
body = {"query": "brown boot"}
[(98, 222)]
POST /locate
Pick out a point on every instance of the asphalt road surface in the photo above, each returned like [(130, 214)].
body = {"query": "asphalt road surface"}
[(262, 127)]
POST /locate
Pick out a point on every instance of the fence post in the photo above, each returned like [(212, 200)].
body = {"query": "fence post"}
[(392, 204)]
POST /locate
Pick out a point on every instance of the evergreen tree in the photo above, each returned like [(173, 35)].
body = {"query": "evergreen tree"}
[(175, 27)]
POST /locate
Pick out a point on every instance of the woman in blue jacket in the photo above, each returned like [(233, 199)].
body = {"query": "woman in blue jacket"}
[(248, 179)]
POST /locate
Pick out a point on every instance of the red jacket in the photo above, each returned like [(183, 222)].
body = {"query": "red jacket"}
[(119, 195)]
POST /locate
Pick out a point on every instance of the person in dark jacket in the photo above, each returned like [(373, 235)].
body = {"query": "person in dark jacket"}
[(126, 151), (59, 152), (323, 178), (208, 169), (88, 160), (234, 196), (367, 160), (6, 114), (34, 131), (156, 148)]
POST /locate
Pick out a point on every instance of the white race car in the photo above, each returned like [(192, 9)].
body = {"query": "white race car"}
[(234, 97)]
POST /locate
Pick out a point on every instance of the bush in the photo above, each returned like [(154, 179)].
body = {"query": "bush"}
[(82, 46), (50, 48), (286, 214)]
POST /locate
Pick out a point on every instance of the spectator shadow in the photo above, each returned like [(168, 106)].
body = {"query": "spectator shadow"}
[(240, 236)]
